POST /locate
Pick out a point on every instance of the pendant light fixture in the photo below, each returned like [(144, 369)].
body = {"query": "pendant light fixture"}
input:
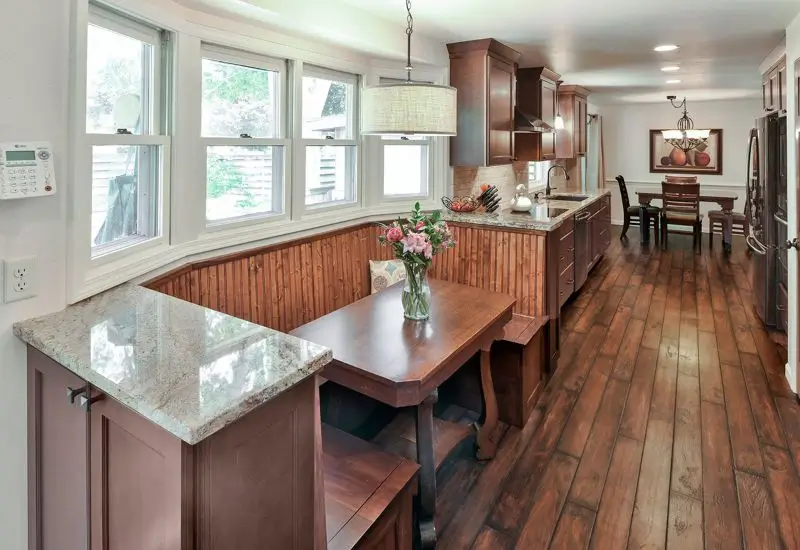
[(414, 108), (685, 137), (559, 122)]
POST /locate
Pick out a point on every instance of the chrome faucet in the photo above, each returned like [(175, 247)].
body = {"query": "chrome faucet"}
[(547, 189)]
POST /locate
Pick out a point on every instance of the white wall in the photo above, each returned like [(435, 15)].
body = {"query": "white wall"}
[(792, 54), (33, 106), (626, 142)]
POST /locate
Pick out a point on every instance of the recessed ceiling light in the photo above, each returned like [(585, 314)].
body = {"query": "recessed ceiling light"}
[(673, 81), (666, 48), (670, 69)]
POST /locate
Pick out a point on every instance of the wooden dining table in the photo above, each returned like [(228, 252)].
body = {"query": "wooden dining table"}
[(402, 363), (725, 200)]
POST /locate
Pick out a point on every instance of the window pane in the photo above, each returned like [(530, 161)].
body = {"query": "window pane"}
[(405, 170), (118, 83), (239, 100), (243, 181), (124, 193), (330, 174), (327, 109)]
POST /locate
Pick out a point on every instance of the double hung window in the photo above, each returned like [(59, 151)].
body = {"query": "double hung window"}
[(125, 131), (330, 136), (243, 134)]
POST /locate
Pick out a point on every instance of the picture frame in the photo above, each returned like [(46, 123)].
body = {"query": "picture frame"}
[(666, 159)]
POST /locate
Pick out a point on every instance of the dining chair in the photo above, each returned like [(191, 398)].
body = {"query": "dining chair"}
[(681, 179), (631, 213), (716, 223), (681, 206)]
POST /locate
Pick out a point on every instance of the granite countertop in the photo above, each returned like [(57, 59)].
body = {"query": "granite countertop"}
[(190, 370), (541, 216)]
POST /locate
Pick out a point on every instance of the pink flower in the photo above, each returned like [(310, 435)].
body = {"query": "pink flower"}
[(415, 243), (394, 235), (420, 225), (428, 251)]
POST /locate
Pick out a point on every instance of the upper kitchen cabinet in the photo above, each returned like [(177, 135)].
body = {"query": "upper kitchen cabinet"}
[(484, 73), (774, 88), (537, 96), (572, 102)]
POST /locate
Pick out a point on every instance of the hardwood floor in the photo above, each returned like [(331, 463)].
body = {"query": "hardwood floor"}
[(668, 424)]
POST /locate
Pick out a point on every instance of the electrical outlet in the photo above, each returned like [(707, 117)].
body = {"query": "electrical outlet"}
[(20, 279)]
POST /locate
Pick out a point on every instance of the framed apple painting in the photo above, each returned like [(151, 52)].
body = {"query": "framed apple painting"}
[(705, 159)]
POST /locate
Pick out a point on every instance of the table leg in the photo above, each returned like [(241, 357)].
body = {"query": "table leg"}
[(727, 231), (487, 447), (427, 471), (644, 224)]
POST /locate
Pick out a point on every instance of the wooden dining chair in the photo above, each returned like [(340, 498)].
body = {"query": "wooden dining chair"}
[(716, 223), (680, 179), (631, 213), (681, 206)]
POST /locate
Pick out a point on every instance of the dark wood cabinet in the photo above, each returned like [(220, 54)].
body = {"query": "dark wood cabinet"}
[(566, 261), (103, 477), (484, 73), (774, 88), (537, 97), (572, 104)]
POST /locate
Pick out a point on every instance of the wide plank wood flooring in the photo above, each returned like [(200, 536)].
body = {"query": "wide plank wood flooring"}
[(668, 425)]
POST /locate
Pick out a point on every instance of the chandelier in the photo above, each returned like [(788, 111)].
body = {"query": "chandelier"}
[(410, 107), (685, 137)]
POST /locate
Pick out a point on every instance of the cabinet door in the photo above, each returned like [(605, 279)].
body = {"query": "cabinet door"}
[(580, 125), (549, 99), (782, 97), (501, 111), (773, 90), (58, 432), (136, 481)]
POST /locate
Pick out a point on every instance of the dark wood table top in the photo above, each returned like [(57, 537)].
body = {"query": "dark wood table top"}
[(379, 353)]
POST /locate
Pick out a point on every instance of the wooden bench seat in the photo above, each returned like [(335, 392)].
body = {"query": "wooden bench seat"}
[(368, 494)]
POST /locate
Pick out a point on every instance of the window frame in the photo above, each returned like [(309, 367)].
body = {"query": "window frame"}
[(353, 156), (282, 112), (153, 134)]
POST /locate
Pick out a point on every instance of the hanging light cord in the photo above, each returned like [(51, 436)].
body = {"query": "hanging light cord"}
[(409, 30)]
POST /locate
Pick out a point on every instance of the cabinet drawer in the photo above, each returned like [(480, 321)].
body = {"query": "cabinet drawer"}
[(566, 251), (566, 284)]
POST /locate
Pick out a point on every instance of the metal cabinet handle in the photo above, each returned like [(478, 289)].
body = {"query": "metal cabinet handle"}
[(792, 244), (73, 393), (582, 216), (87, 402)]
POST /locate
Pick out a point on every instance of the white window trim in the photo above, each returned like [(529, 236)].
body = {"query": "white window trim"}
[(249, 59), (86, 271)]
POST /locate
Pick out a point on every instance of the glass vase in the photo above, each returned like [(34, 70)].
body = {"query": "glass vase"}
[(416, 293)]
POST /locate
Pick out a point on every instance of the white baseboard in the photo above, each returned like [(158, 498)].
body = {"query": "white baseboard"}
[(791, 378)]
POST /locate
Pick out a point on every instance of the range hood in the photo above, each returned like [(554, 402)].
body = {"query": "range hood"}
[(528, 123)]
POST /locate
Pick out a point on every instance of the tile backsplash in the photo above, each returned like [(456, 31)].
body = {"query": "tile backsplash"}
[(468, 180)]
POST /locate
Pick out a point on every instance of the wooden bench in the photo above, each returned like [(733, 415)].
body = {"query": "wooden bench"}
[(518, 372), (368, 494)]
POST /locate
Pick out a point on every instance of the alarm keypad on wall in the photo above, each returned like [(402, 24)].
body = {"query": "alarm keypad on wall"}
[(26, 170)]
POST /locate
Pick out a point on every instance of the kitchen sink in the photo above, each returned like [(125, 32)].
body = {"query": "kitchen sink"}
[(576, 198)]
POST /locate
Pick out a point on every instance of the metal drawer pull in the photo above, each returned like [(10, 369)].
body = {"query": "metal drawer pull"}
[(756, 246), (73, 393), (87, 402)]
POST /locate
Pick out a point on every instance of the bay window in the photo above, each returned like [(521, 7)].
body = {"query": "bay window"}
[(125, 131), (330, 136), (243, 134)]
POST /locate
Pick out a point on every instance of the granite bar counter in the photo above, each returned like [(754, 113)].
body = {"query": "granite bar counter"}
[(546, 214), (172, 414)]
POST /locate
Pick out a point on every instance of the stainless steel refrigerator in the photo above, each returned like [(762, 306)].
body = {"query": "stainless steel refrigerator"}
[(766, 213)]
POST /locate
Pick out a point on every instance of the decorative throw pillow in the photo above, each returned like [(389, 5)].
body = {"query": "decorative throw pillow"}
[(385, 273)]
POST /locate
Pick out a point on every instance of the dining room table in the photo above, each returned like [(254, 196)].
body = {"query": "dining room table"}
[(379, 353), (725, 200)]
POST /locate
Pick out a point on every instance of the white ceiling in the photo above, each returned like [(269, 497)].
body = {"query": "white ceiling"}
[(607, 45)]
